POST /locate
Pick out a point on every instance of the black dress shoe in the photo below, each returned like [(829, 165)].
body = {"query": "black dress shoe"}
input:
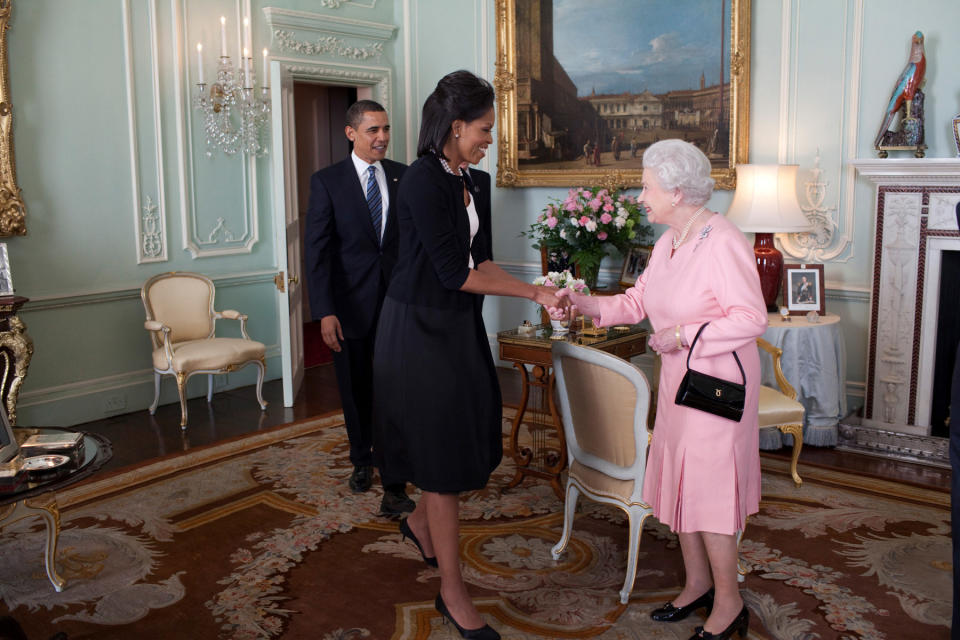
[(361, 479), (396, 502), (407, 532), (740, 625), (670, 613), (486, 632)]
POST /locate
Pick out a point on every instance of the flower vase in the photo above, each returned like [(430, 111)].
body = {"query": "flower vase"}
[(560, 327), (590, 275)]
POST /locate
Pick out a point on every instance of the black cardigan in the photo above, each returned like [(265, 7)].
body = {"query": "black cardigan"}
[(435, 236)]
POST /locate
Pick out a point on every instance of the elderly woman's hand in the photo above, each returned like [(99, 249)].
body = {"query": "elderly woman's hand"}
[(587, 305), (665, 341)]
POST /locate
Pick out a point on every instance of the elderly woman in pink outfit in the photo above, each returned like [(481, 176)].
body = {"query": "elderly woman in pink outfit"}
[(703, 472)]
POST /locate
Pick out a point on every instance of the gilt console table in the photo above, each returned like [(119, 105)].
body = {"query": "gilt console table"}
[(543, 454), (16, 350)]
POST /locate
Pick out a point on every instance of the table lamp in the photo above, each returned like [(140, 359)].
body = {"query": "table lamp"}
[(766, 203)]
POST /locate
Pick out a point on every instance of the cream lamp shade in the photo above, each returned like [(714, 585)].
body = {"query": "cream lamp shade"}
[(766, 199)]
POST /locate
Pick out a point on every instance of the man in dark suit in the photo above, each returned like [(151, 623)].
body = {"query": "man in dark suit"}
[(351, 249)]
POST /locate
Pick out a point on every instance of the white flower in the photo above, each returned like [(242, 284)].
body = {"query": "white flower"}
[(574, 222), (591, 226), (563, 234), (619, 221)]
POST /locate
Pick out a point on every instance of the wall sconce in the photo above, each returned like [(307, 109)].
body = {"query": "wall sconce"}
[(234, 113), (765, 203)]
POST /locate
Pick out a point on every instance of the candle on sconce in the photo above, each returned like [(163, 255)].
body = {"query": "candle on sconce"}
[(199, 63), (246, 32), (246, 67), (263, 80), (223, 37)]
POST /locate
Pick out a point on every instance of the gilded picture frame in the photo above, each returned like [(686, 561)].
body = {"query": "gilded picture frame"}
[(12, 208), (536, 149)]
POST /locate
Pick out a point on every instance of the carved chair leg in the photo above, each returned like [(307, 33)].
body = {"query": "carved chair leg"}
[(795, 430), (156, 393), (261, 370), (182, 390)]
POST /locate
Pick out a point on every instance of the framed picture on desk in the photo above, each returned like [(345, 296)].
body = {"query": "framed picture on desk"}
[(633, 265), (803, 289)]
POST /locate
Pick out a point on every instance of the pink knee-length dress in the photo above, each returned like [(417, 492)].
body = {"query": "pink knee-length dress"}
[(703, 471)]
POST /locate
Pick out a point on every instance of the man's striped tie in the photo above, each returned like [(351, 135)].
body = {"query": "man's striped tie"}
[(374, 202)]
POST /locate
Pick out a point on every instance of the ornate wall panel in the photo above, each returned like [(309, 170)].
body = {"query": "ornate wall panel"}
[(141, 58), (215, 222)]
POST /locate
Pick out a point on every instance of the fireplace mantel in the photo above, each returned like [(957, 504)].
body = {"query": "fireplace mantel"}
[(915, 223)]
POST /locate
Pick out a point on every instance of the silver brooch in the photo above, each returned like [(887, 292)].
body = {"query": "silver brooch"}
[(705, 232)]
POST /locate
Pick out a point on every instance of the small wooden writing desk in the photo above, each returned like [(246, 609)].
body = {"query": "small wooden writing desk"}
[(540, 458)]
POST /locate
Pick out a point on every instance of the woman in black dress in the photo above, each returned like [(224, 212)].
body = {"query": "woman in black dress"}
[(437, 407)]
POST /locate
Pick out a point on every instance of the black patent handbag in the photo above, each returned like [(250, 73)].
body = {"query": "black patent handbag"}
[(711, 394)]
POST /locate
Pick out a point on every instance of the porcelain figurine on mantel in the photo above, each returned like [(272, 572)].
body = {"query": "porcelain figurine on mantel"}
[(907, 102)]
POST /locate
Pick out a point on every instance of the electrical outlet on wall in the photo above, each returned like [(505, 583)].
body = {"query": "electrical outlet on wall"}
[(115, 402)]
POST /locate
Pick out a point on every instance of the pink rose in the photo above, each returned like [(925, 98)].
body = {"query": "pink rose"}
[(551, 222), (595, 204), (587, 194), (570, 205), (548, 283), (605, 218), (584, 220), (602, 235), (608, 207)]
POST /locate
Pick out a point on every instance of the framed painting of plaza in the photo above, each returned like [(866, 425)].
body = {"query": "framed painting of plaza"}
[(583, 88)]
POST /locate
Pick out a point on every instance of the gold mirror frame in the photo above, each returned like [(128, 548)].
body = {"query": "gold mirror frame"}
[(509, 171), (12, 209)]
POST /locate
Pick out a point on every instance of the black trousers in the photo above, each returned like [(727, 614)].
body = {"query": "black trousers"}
[(354, 368), (955, 491)]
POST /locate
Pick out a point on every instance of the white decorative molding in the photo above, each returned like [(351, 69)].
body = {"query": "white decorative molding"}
[(217, 231), (886, 171), (193, 217), (377, 78), (150, 222), (411, 84), (326, 45), (812, 246), (319, 23)]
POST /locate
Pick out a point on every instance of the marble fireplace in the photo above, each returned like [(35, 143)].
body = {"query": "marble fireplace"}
[(915, 234)]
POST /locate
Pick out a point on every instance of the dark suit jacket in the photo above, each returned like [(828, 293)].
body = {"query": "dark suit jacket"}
[(347, 271), (435, 236)]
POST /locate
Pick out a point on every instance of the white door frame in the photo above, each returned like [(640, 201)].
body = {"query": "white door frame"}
[(283, 73)]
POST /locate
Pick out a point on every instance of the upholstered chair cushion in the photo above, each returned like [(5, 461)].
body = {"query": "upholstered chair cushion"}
[(777, 409), (184, 304), (600, 483), (209, 354), (602, 404)]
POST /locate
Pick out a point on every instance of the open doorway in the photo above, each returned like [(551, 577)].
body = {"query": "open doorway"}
[(319, 121)]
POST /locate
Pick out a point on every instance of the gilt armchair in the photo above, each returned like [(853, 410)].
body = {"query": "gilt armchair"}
[(604, 401), (182, 323), (779, 408)]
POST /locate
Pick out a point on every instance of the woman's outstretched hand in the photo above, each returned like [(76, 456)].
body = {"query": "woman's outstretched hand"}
[(548, 298), (587, 305)]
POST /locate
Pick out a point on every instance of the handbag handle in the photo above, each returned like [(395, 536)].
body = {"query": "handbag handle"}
[(697, 337)]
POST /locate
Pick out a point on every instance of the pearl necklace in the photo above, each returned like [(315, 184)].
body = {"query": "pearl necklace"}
[(446, 166), (678, 240)]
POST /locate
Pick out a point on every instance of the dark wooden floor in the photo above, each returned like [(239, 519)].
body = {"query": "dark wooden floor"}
[(138, 437)]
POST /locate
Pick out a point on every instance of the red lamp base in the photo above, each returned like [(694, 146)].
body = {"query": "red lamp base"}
[(770, 268)]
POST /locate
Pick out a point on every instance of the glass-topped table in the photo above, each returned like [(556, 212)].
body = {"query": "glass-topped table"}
[(540, 450), (37, 496)]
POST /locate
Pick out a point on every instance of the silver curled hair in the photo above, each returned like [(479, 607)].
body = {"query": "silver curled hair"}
[(680, 165)]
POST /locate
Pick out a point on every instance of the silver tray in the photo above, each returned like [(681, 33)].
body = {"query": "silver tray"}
[(43, 464)]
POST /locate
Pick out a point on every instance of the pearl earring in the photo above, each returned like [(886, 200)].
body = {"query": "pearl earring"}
[(456, 135), (673, 204)]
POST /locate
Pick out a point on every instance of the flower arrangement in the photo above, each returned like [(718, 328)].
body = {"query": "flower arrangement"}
[(587, 223)]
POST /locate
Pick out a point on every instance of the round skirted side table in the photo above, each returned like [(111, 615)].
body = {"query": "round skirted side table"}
[(814, 361)]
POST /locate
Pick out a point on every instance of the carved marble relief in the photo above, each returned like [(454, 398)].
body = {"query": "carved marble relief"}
[(897, 302)]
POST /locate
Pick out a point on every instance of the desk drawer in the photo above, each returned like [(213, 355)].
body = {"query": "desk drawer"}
[(628, 349)]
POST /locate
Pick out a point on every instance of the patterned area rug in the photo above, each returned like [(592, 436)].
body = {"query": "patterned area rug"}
[(261, 538)]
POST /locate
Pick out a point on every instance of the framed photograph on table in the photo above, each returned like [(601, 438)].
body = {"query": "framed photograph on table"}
[(803, 289), (633, 265)]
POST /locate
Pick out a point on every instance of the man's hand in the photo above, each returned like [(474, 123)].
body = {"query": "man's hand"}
[(331, 332)]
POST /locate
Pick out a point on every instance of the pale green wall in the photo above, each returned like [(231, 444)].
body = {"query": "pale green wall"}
[(819, 80)]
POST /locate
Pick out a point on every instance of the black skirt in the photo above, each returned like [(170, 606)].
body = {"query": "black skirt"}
[(437, 403)]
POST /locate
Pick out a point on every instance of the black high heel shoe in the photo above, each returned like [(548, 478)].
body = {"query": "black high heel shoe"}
[(407, 532), (486, 632), (670, 613), (740, 624)]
